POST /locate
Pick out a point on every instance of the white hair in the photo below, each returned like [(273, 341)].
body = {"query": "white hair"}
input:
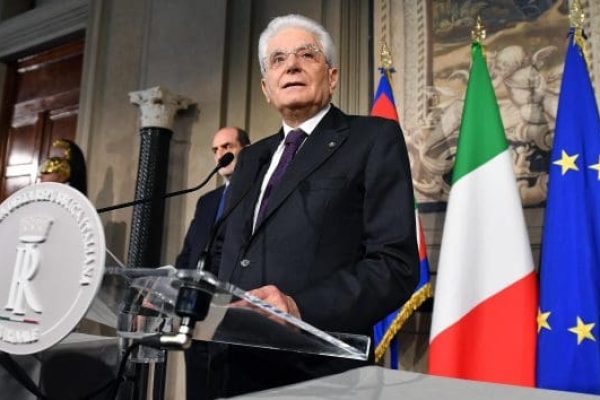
[(295, 21)]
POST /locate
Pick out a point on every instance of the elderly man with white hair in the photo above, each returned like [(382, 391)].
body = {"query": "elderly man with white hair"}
[(320, 216)]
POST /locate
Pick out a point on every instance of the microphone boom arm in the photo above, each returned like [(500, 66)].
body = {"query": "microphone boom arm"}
[(223, 162)]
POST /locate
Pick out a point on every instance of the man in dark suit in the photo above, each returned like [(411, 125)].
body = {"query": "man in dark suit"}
[(209, 209), (210, 206), (320, 216)]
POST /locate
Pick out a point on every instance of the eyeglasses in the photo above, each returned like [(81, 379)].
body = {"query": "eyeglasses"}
[(307, 54)]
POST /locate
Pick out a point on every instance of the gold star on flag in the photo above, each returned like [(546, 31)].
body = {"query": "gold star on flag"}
[(583, 331), (567, 162), (542, 320), (596, 167)]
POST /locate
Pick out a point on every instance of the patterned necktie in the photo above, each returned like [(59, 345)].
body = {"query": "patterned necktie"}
[(293, 140)]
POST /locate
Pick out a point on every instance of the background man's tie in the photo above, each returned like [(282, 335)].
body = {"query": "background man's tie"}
[(221, 207)]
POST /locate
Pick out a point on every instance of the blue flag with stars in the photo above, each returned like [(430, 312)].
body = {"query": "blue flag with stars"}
[(568, 353)]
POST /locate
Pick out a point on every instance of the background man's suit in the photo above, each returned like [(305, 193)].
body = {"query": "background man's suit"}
[(338, 236), (196, 238), (198, 233)]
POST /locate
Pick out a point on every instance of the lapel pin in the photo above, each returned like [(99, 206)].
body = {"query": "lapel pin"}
[(331, 145)]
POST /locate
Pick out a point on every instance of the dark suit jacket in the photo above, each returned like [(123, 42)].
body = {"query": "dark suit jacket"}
[(196, 238), (338, 234), (198, 233)]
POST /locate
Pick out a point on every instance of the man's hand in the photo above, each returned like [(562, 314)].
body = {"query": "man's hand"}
[(272, 295)]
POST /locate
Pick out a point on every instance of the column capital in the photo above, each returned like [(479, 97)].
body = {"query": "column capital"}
[(158, 106)]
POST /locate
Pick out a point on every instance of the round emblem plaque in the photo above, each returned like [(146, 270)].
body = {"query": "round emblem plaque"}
[(53, 250)]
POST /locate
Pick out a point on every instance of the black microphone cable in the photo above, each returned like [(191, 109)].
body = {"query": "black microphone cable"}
[(20, 375), (224, 161), (114, 384)]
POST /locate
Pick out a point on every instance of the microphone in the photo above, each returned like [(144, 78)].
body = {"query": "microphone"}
[(194, 297), (224, 161), (263, 160)]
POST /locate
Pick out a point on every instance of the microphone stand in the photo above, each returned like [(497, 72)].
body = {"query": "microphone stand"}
[(183, 338), (224, 161)]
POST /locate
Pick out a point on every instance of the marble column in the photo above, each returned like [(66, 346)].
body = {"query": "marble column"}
[(158, 107)]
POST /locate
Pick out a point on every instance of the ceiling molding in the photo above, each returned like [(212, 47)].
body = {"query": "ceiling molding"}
[(42, 25)]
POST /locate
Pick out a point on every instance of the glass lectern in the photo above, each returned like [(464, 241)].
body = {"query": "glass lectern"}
[(233, 317), (148, 308)]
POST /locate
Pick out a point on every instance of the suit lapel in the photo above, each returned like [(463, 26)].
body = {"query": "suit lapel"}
[(246, 181), (320, 145), (253, 170)]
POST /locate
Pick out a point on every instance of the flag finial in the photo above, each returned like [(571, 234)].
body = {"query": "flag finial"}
[(576, 15), (478, 33), (386, 56)]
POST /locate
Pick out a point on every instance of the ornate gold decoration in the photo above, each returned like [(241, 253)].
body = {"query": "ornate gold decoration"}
[(576, 17), (58, 165), (63, 144), (478, 32), (405, 312), (386, 56)]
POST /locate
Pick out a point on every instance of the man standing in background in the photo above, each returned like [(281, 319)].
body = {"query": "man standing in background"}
[(210, 206), (209, 209)]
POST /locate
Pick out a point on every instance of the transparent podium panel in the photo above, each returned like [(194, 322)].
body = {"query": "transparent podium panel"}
[(102, 316), (233, 316)]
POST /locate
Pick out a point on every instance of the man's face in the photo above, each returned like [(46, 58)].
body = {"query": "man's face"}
[(294, 80), (226, 141)]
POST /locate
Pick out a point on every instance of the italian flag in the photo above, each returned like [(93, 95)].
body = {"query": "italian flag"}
[(485, 303)]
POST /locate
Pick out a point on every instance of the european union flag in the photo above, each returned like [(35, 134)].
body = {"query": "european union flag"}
[(568, 356)]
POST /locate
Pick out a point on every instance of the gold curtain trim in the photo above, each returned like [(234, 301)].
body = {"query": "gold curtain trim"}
[(405, 312)]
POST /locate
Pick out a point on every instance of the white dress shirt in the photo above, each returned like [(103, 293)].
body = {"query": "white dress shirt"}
[(308, 127)]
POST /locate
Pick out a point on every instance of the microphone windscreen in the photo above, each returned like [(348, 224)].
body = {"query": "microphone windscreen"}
[(225, 160)]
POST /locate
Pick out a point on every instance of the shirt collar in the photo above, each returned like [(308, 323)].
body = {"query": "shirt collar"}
[(310, 124)]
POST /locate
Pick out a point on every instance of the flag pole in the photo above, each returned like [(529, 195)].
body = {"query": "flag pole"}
[(396, 320)]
